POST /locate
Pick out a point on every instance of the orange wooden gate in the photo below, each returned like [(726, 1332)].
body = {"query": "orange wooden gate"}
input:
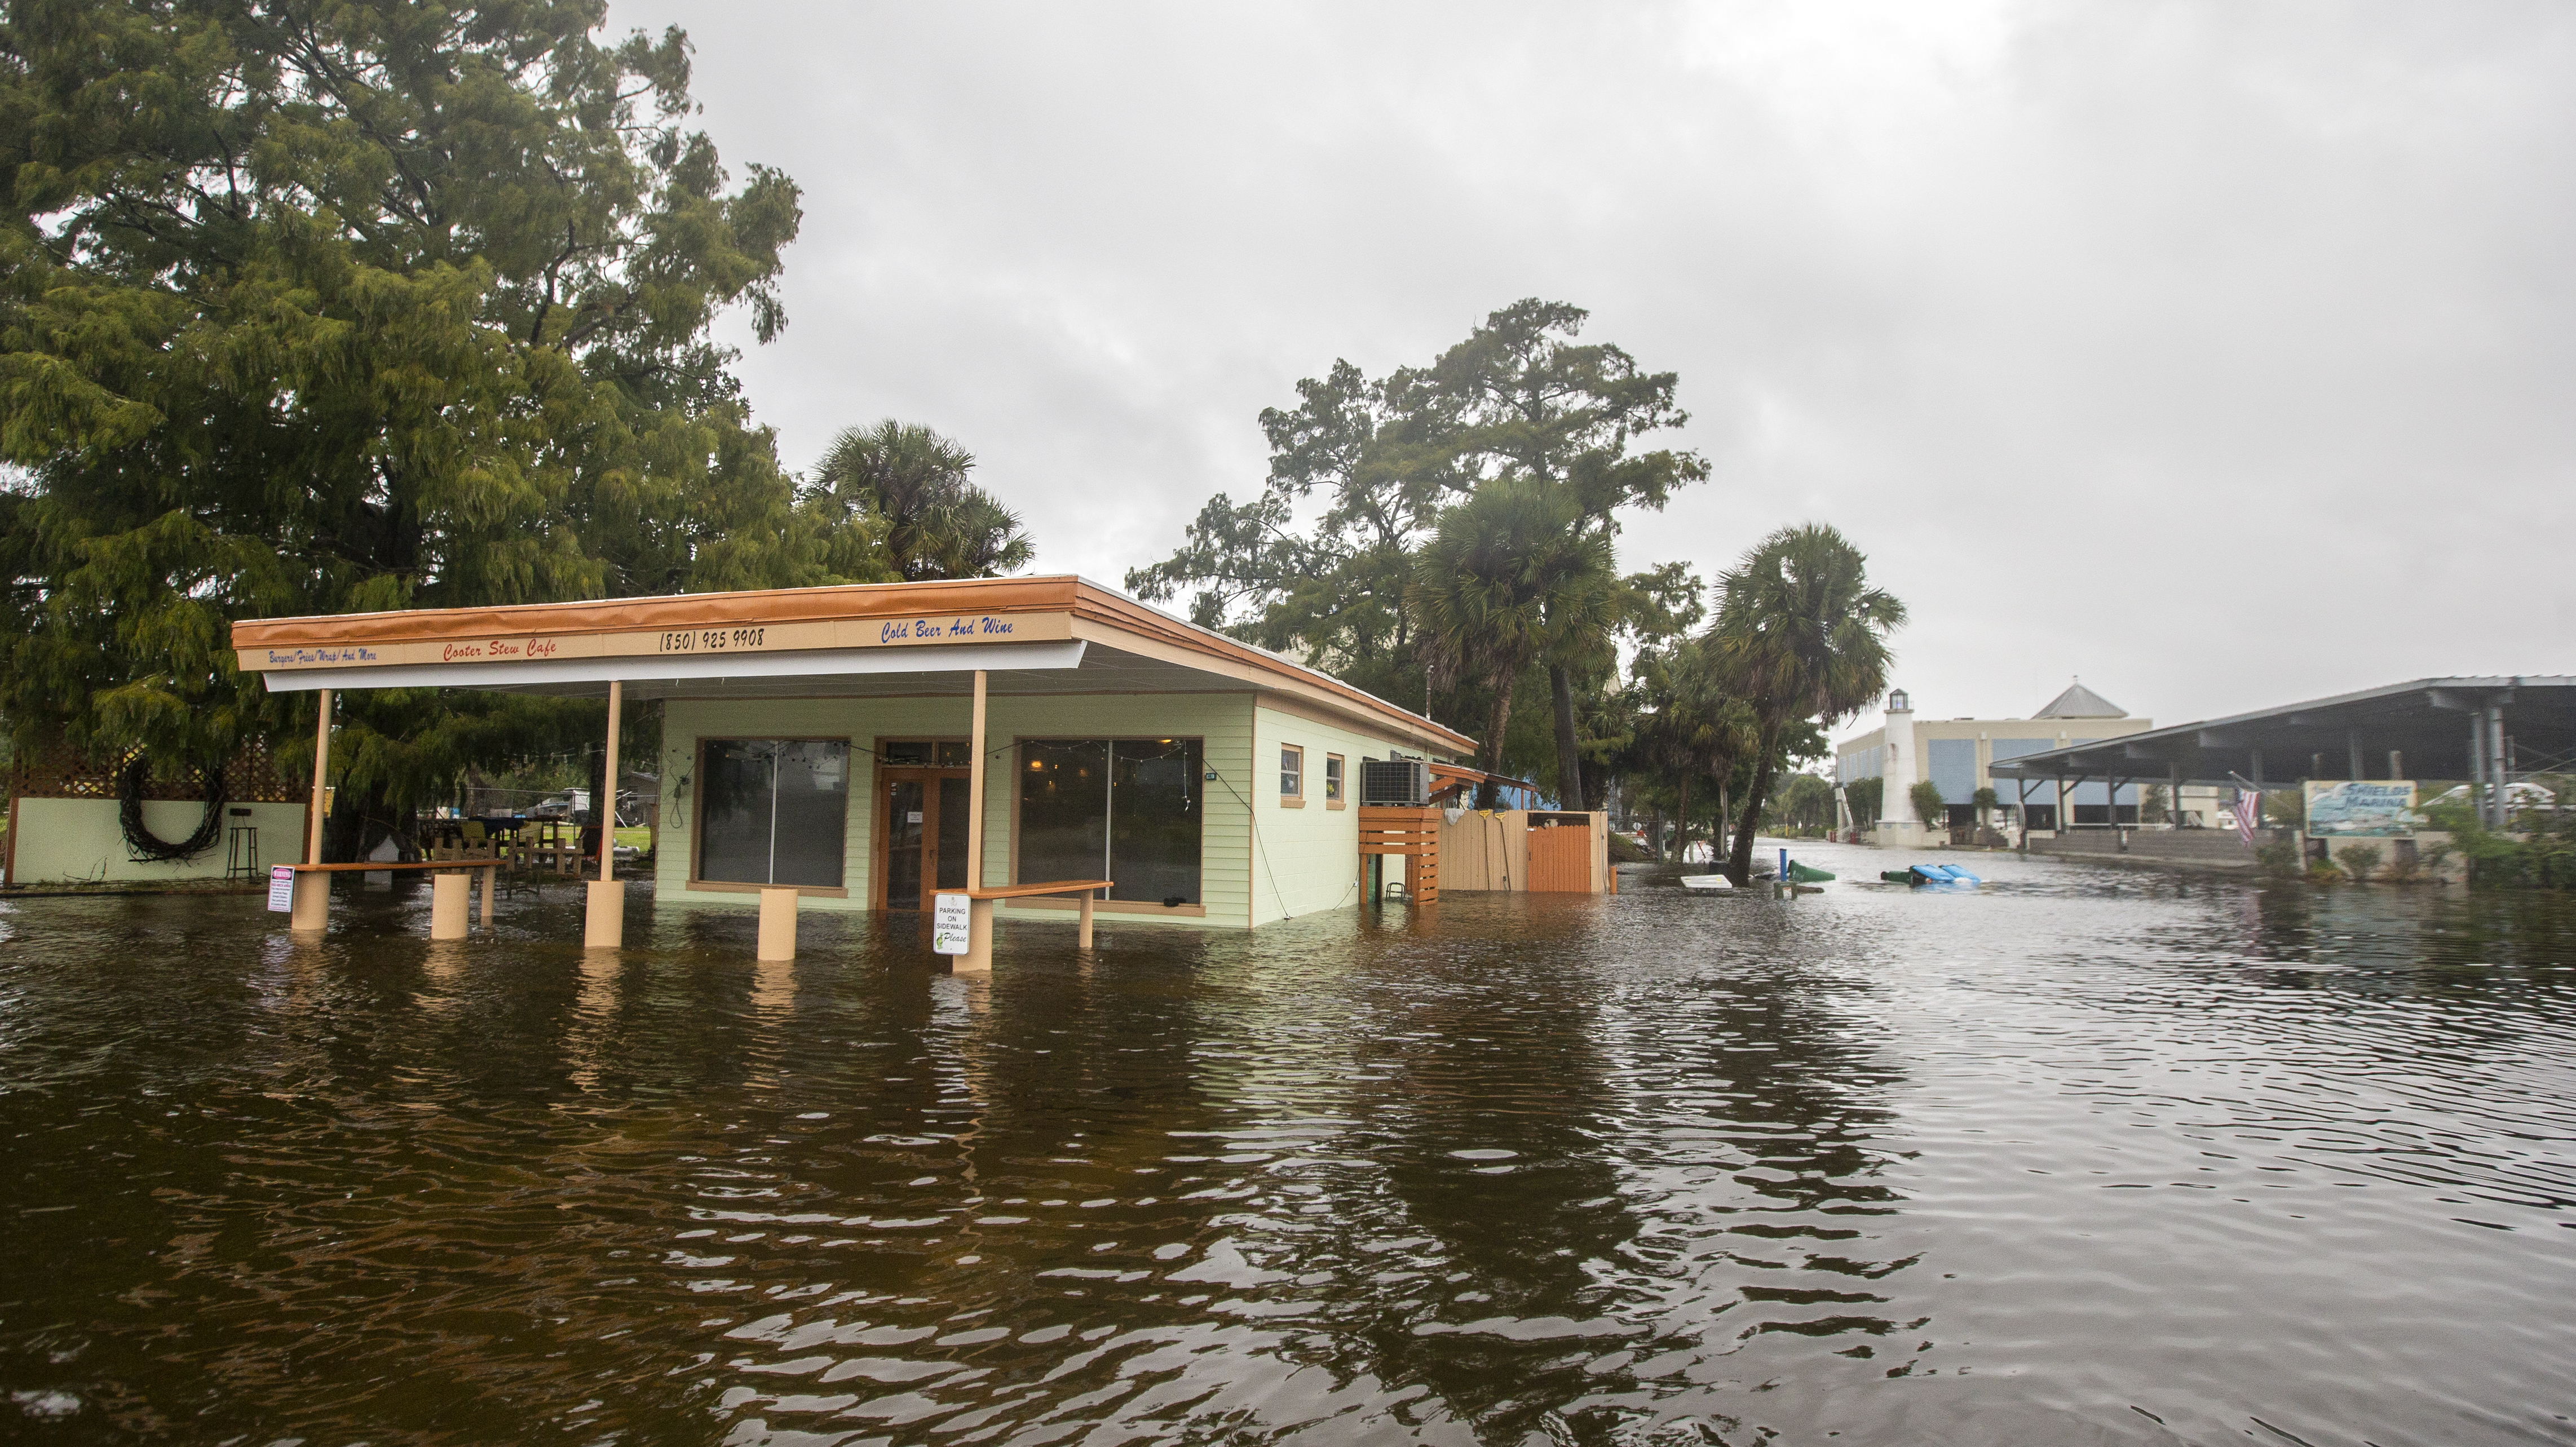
[(1560, 860)]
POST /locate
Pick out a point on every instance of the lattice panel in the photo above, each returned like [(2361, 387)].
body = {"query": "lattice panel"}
[(59, 772)]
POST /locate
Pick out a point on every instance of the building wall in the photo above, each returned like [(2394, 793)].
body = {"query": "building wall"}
[(58, 841), (1259, 861), (686, 721), (1938, 754), (1223, 721), (1862, 758), (1305, 859)]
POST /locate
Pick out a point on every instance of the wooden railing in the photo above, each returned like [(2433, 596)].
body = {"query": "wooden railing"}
[(1411, 833)]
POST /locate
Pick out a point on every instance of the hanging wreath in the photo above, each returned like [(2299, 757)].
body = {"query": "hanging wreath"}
[(141, 845)]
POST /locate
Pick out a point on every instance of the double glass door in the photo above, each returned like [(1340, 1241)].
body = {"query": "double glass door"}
[(925, 835)]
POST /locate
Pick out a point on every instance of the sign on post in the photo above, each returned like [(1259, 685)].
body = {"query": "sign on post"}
[(950, 923), (281, 889)]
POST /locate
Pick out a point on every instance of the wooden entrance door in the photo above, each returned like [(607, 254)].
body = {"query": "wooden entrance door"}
[(921, 821)]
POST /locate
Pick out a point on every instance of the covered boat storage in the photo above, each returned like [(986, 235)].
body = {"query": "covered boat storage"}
[(870, 747), (2485, 730)]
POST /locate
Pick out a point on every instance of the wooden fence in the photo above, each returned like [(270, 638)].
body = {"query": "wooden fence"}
[(58, 771)]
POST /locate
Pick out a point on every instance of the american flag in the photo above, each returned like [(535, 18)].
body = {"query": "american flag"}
[(2249, 812)]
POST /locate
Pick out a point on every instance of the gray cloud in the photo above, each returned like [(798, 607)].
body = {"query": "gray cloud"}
[(2219, 353)]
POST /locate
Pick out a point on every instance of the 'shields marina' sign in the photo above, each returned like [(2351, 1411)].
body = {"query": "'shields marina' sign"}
[(717, 641)]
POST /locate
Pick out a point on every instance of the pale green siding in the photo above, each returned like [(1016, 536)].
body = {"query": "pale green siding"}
[(62, 840), (686, 721), (1307, 858), (1258, 861), (1222, 720)]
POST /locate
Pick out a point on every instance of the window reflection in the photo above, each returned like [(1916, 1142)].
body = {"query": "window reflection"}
[(773, 811), (1126, 810)]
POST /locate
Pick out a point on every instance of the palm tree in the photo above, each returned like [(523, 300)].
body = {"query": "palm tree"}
[(1806, 636), (1700, 725), (935, 523), (1506, 577)]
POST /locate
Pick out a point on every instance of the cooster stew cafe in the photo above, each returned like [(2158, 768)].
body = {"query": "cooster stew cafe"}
[(872, 747)]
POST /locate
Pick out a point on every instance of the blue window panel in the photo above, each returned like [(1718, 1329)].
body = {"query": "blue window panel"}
[(1954, 768), (2010, 790)]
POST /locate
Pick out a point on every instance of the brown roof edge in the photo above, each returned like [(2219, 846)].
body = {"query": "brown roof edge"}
[(1061, 593), (599, 615), (1102, 605)]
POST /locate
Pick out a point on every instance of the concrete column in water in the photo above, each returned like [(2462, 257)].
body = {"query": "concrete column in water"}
[(312, 898), (604, 918), (777, 924)]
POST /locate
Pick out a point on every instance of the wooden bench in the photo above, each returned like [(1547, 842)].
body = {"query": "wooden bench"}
[(446, 915), (778, 917), (983, 898)]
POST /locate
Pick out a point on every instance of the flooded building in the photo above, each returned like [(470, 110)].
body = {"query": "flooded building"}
[(868, 747)]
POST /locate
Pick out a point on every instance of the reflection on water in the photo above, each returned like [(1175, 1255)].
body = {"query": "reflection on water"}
[(2077, 1157)]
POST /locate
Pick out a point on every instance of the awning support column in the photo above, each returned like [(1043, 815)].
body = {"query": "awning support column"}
[(2478, 764), (2503, 776), (312, 899), (604, 920), (979, 913)]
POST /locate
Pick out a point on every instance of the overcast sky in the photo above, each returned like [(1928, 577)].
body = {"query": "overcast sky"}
[(2219, 353)]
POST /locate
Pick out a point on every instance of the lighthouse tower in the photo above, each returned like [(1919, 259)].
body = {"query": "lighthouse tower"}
[(1896, 822)]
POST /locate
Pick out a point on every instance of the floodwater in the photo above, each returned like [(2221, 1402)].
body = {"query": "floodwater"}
[(2083, 1156)]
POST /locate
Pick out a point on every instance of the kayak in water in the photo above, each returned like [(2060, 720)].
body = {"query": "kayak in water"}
[(1930, 874)]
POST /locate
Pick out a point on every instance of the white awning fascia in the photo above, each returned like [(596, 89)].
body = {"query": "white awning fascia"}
[(817, 663)]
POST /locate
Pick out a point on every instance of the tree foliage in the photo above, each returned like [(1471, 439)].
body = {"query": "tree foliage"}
[(931, 520), (313, 306), (1504, 581), (1804, 634), (1325, 563)]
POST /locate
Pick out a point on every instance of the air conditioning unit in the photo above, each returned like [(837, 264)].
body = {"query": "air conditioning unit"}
[(1399, 783)]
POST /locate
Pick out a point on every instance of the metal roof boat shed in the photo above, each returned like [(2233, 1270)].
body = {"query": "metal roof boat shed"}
[(868, 746), (2480, 729)]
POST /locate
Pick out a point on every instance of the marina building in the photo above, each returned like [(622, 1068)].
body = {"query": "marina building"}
[(1958, 755)]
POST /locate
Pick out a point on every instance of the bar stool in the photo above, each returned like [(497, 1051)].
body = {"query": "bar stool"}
[(241, 847)]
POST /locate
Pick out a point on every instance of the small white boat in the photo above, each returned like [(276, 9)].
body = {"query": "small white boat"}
[(1707, 881)]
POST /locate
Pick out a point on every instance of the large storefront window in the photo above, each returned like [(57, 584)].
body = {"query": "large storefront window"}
[(1125, 810), (773, 811)]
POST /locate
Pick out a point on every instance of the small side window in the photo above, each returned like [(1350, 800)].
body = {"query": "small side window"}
[(1332, 781), (1292, 774)]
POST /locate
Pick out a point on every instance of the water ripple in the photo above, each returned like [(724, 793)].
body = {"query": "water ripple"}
[(2078, 1157)]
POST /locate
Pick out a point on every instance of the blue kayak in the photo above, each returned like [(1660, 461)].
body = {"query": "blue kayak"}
[(1930, 874)]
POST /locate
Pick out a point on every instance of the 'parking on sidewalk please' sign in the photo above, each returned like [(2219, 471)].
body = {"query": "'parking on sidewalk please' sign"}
[(948, 923), (281, 888)]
